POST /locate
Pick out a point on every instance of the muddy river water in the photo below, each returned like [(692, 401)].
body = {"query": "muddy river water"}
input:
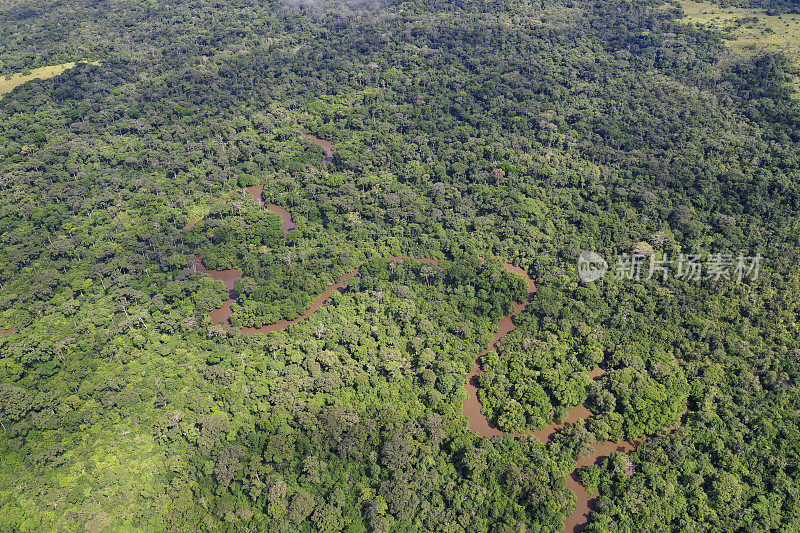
[(472, 408)]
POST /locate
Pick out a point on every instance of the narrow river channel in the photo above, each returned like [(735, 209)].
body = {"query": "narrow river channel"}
[(478, 423)]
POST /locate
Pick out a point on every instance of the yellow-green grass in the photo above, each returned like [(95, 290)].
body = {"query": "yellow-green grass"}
[(749, 31), (11, 81)]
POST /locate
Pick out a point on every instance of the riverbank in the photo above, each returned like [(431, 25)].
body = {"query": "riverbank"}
[(472, 409)]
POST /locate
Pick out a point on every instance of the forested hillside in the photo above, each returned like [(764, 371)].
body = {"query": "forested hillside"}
[(471, 133)]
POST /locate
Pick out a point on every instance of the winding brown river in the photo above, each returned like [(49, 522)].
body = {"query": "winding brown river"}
[(286, 217), (472, 406), (478, 423), (324, 143)]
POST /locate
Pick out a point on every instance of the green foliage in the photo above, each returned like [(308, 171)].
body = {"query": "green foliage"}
[(527, 131)]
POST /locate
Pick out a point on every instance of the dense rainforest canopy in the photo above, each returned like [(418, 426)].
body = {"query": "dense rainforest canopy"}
[(526, 131)]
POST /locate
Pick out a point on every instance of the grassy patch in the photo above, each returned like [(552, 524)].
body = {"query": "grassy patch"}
[(749, 31), (10, 81)]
